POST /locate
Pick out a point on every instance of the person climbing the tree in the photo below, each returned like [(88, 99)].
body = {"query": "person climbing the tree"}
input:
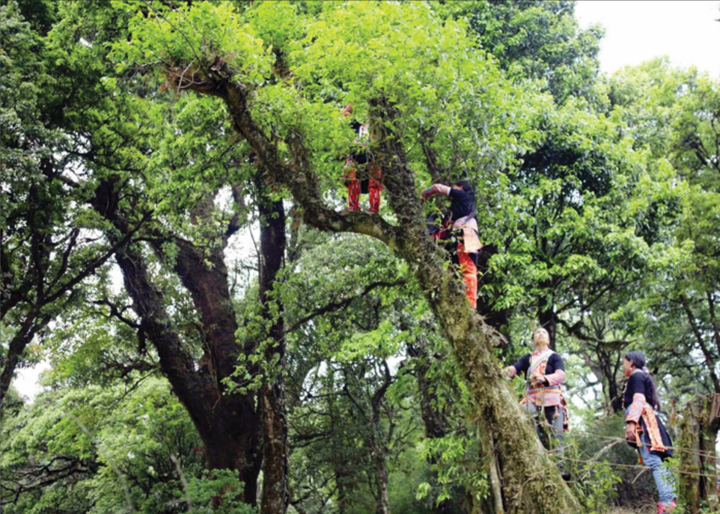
[(460, 231), (644, 430), (544, 373), (360, 173)]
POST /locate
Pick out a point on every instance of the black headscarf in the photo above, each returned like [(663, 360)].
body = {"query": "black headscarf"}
[(467, 187), (638, 360)]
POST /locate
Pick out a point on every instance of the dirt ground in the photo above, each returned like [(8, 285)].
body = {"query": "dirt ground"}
[(646, 509)]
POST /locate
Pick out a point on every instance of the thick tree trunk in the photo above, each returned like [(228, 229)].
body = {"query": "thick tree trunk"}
[(546, 312), (379, 455), (532, 483), (275, 494), (435, 421), (497, 319), (698, 432), (227, 424)]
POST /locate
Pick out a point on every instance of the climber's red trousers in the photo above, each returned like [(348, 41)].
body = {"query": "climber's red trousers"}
[(353, 185), (469, 274), (374, 189)]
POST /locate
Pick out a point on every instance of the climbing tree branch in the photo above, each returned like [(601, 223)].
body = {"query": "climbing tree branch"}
[(296, 175)]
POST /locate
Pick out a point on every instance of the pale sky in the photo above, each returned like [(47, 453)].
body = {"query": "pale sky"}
[(635, 31)]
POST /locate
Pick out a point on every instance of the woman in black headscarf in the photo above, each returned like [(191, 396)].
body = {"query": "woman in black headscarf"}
[(644, 430)]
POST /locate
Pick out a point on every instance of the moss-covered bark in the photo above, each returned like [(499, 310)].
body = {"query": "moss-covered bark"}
[(532, 483), (275, 494), (698, 432), (690, 465)]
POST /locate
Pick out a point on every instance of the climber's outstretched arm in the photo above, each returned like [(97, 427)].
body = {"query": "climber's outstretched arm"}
[(520, 367), (436, 189)]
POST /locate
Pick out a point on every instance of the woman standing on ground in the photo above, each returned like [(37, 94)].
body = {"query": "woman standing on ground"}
[(544, 372), (644, 430)]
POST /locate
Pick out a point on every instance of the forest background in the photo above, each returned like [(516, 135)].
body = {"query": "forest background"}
[(223, 338)]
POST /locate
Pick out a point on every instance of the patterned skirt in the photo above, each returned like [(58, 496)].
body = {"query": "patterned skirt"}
[(652, 433)]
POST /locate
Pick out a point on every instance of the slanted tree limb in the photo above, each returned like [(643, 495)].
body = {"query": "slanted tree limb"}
[(297, 175), (532, 483)]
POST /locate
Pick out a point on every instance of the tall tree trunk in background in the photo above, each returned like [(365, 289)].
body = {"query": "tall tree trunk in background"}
[(275, 494), (546, 311), (379, 450), (342, 464), (497, 319), (228, 424), (294, 246), (488, 454), (698, 463), (343, 480), (436, 426), (610, 362), (435, 422)]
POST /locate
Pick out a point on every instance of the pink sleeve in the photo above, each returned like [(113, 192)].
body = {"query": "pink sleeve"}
[(636, 408), (556, 378), (436, 189)]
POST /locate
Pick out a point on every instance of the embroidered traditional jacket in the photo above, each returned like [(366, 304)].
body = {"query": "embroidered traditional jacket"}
[(548, 364), (637, 403)]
